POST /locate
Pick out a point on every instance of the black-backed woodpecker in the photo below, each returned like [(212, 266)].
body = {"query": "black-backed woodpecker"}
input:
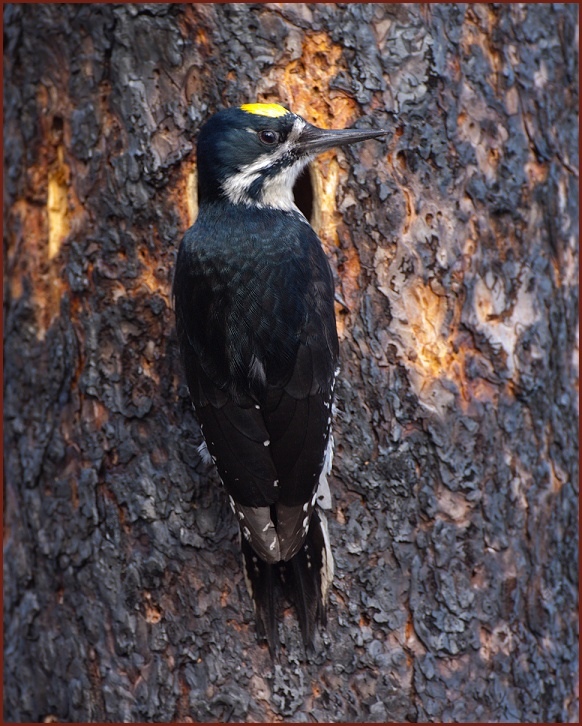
[(254, 301)]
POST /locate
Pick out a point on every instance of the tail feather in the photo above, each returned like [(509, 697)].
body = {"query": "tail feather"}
[(305, 593), (307, 578), (262, 581), (309, 581)]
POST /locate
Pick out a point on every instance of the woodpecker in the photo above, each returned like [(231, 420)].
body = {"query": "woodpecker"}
[(254, 302)]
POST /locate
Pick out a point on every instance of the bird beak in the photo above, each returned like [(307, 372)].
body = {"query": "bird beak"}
[(313, 140)]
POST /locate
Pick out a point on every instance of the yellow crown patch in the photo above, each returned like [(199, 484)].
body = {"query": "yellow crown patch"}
[(265, 109)]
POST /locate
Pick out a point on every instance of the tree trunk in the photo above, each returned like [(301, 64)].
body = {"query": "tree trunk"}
[(455, 249)]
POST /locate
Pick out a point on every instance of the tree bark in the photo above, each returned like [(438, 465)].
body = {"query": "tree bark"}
[(455, 249)]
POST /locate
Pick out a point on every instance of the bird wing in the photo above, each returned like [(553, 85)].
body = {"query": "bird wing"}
[(258, 339)]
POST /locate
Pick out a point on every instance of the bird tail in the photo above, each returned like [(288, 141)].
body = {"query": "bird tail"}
[(305, 579)]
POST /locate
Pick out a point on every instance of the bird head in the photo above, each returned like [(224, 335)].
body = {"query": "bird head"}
[(253, 154)]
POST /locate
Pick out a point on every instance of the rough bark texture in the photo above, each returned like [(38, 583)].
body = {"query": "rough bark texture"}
[(455, 248)]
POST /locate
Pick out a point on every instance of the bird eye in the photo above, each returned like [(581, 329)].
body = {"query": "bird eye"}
[(268, 137)]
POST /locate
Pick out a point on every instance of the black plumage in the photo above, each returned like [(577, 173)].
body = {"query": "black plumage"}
[(257, 330), (255, 319)]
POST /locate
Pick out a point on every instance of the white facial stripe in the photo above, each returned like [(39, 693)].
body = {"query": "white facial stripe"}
[(236, 187), (277, 191)]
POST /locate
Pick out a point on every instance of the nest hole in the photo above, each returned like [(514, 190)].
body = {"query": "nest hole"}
[(303, 194)]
